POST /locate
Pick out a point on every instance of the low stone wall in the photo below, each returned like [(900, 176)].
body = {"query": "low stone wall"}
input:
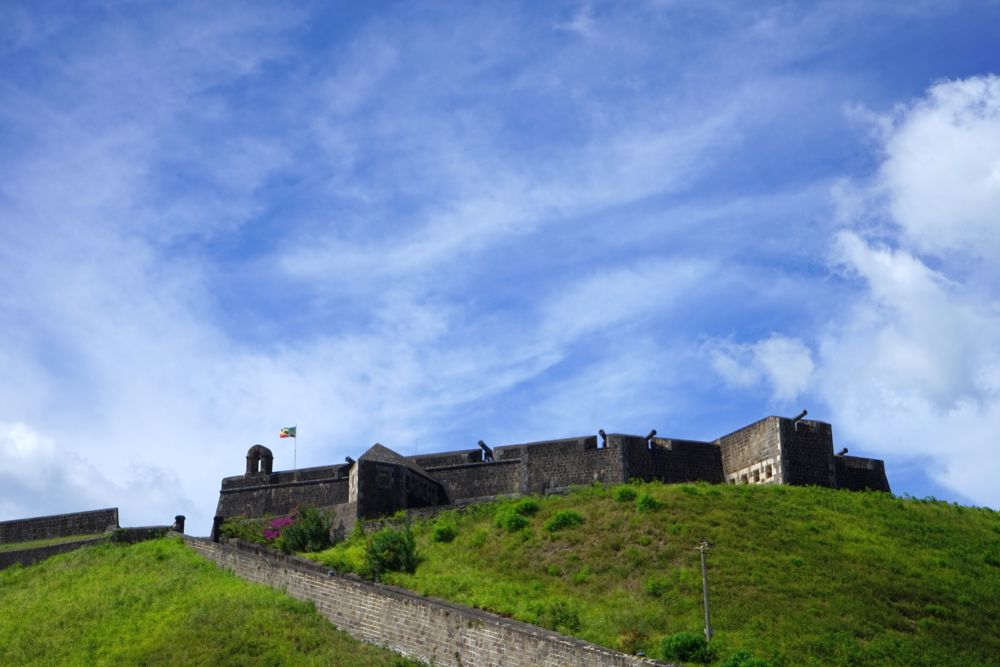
[(58, 525), (31, 556), (432, 630)]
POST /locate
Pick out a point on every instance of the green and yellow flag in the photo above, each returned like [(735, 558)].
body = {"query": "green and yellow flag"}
[(287, 432)]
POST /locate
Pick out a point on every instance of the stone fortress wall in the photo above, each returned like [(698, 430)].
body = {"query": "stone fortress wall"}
[(58, 525), (774, 450), (83, 524)]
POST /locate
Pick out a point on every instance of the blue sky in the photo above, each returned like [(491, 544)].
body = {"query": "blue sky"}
[(426, 224)]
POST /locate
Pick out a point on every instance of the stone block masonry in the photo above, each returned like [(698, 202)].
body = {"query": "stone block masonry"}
[(31, 556), (58, 525), (774, 450), (437, 632)]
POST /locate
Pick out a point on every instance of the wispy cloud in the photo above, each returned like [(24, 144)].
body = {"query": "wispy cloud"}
[(405, 226)]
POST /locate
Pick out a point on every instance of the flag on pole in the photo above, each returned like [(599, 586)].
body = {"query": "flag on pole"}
[(287, 432)]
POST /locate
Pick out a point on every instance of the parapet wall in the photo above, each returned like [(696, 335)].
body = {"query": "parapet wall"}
[(435, 631), (858, 474), (28, 557), (555, 465), (774, 450), (280, 493), (807, 452), (746, 450), (58, 525), (474, 481), (673, 461)]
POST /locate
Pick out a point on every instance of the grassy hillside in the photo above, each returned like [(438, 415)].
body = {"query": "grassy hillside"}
[(157, 603), (48, 541), (798, 576)]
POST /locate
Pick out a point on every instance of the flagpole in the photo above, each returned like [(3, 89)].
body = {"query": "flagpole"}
[(295, 450)]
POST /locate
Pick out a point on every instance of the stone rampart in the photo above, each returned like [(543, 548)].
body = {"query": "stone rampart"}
[(774, 450), (747, 447), (31, 556), (480, 481), (438, 632), (672, 461), (807, 452), (279, 493), (857, 473), (555, 465), (58, 525)]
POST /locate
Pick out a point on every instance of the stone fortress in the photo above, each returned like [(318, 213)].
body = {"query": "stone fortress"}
[(774, 450)]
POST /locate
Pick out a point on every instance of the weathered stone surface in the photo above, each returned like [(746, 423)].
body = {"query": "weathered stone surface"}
[(774, 450), (58, 525), (435, 631)]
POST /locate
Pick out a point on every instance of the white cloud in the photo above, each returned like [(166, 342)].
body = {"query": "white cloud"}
[(607, 299), (942, 168), (784, 364), (42, 477), (910, 369)]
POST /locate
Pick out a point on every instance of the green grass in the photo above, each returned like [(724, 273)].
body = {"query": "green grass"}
[(20, 546), (158, 603), (798, 576)]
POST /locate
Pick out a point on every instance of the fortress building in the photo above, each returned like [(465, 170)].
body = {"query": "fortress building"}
[(774, 450)]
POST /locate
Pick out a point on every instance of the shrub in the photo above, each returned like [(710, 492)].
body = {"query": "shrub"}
[(508, 519), (561, 616), (526, 506), (276, 526), (514, 517), (309, 532), (443, 532), (251, 530), (658, 586), (581, 575), (647, 503), (743, 659), (563, 519), (390, 550), (624, 494), (686, 647)]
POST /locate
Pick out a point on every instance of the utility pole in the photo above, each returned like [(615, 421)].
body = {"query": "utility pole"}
[(703, 547)]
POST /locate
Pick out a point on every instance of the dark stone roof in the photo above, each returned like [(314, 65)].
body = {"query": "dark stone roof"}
[(382, 454)]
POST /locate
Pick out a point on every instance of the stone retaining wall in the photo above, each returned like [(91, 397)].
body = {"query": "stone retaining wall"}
[(432, 630)]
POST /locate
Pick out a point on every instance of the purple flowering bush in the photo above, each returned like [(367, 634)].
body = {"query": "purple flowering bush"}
[(267, 531), (273, 530)]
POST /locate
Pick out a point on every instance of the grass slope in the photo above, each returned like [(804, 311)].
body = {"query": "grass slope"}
[(48, 541), (158, 603), (798, 576)]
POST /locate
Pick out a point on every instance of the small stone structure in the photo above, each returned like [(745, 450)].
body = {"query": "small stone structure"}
[(774, 450)]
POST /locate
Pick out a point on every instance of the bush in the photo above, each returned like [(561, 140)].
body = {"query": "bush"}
[(647, 503), (743, 659), (561, 617), (624, 494), (527, 506), (251, 530), (443, 532), (563, 519), (658, 586), (686, 647), (309, 532), (390, 550), (508, 519)]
